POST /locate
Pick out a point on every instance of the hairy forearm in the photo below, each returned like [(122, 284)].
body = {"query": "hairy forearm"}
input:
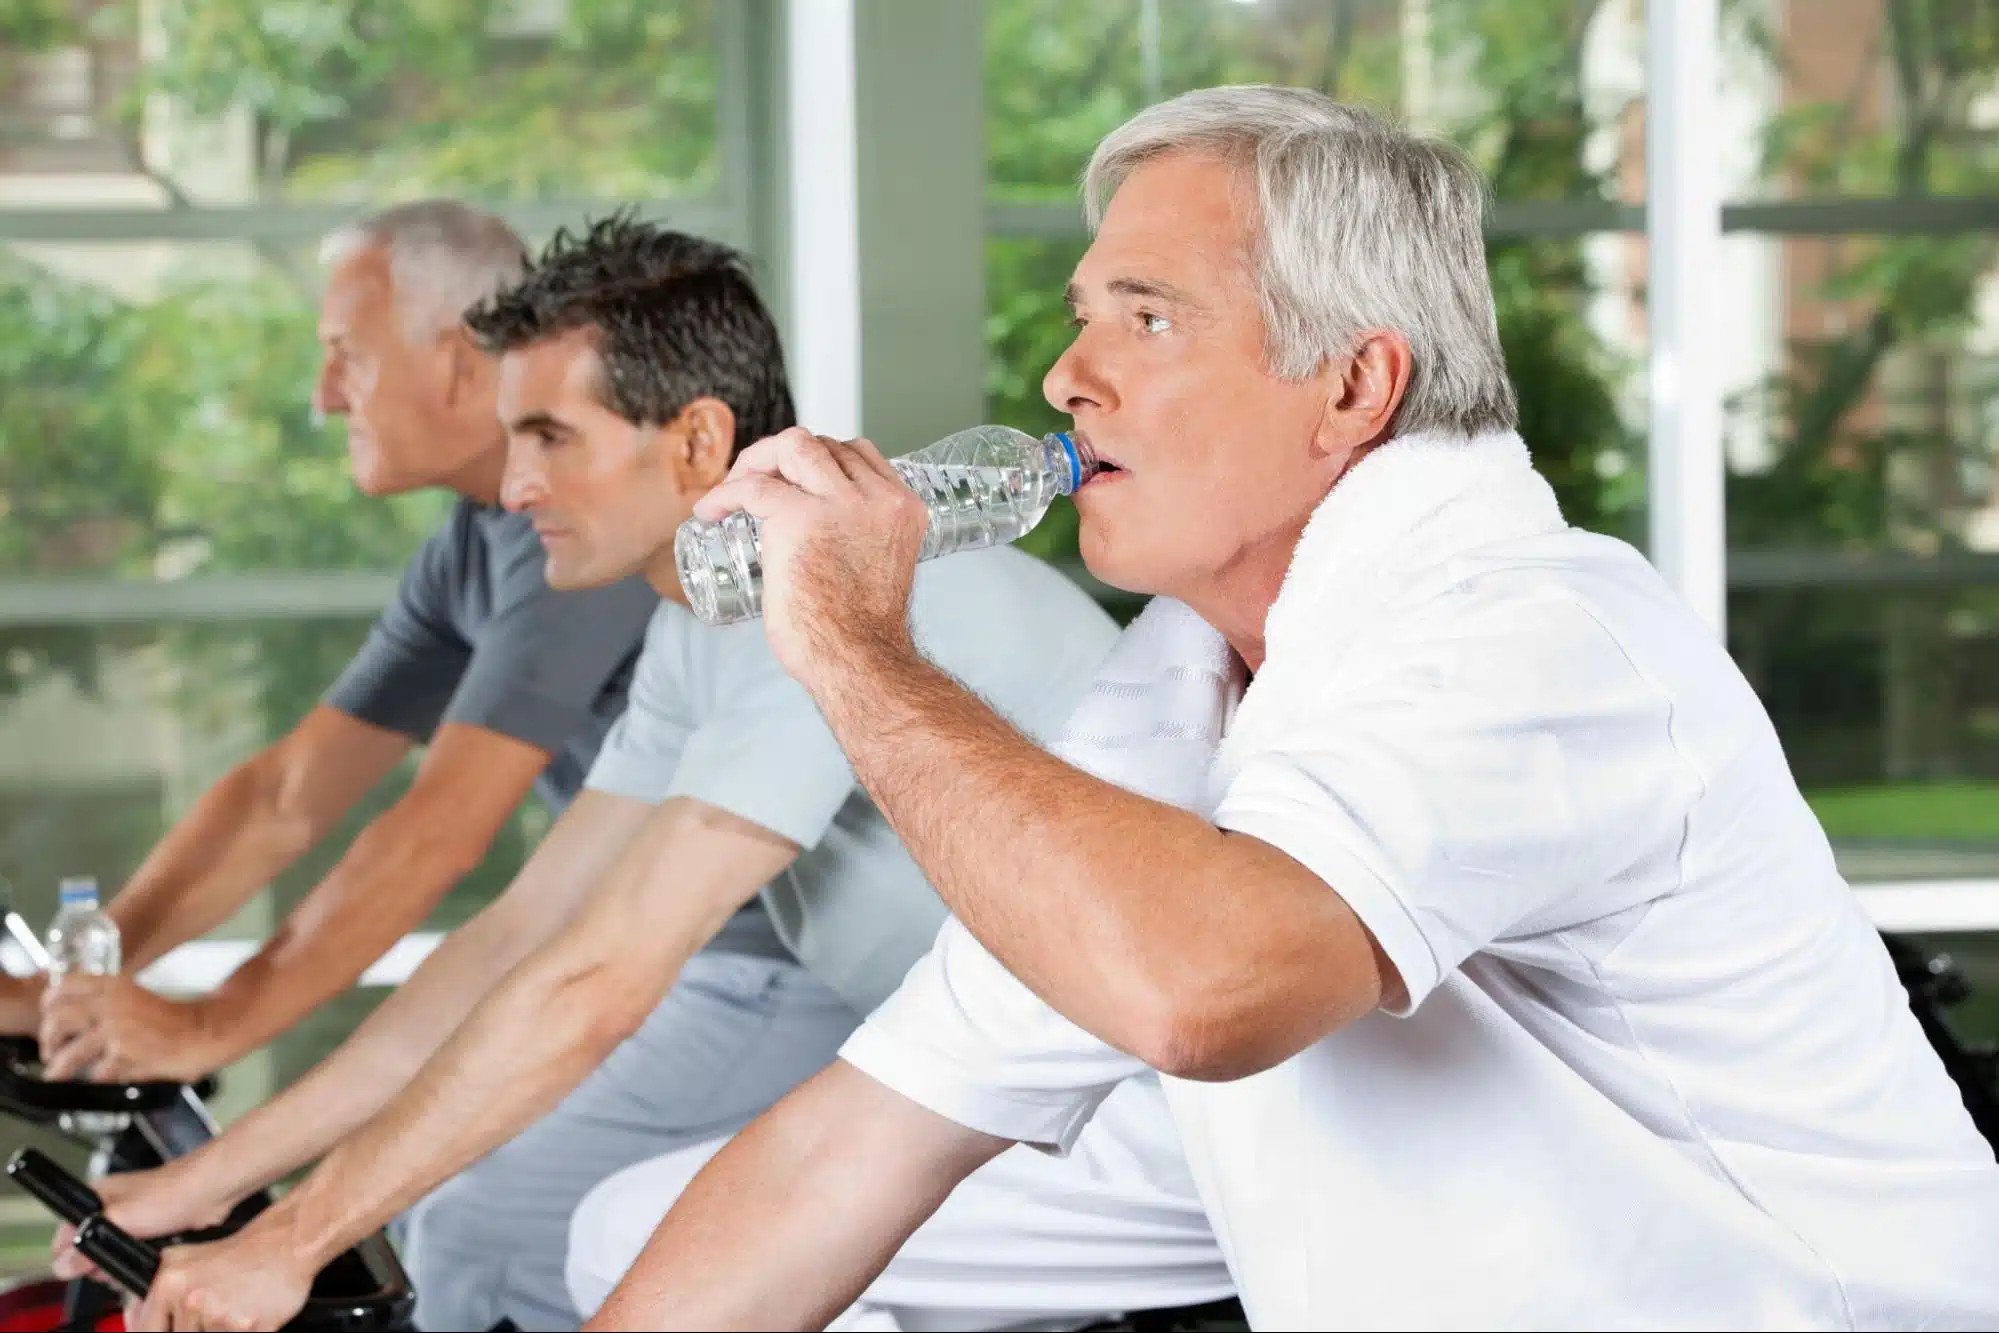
[(235, 840), (786, 1227), (1205, 954), (1086, 892)]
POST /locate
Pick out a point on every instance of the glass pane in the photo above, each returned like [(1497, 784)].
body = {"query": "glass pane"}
[(1864, 534), (109, 734), (1866, 98), (155, 419), (1543, 95), (237, 100)]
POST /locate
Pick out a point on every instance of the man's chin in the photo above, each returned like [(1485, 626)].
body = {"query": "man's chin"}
[(1112, 566), (568, 576), (372, 477)]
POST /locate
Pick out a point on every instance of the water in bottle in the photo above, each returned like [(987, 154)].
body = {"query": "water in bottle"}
[(983, 486), (83, 939)]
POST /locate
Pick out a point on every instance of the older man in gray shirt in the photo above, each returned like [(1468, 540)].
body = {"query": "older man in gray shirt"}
[(707, 922), (507, 682)]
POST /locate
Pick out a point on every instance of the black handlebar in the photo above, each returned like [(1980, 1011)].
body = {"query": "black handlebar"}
[(60, 1192), (124, 1258), (362, 1291), (23, 1089)]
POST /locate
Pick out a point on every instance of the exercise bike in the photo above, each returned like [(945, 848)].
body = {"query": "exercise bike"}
[(144, 1125), (1935, 983)]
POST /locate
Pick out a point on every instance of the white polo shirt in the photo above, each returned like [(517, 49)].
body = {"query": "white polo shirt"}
[(1655, 1069)]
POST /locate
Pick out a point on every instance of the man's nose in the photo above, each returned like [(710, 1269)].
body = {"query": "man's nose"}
[(522, 484), (1074, 382), (328, 399)]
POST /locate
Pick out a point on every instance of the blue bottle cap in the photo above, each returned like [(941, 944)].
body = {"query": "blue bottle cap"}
[(1075, 462)]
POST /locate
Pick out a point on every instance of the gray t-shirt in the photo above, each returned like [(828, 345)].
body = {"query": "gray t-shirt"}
[(714, 717), (476, 635)]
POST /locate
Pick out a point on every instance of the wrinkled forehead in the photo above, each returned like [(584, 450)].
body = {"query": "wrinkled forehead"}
[(1186, 220), (359, 293)]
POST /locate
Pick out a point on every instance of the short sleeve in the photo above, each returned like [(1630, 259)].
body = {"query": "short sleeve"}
[(409, 666), (1495, 784), (643, 747), (712, 716), (761, 750), (545, 656), (964, 1038)]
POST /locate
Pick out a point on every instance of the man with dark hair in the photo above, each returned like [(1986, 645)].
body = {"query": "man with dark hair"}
[(507, 683), (653, 986)]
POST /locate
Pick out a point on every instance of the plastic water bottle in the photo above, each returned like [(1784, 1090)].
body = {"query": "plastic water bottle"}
[(83, 939), (983, 486)]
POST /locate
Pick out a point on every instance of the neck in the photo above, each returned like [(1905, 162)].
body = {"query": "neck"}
[(1237, 598), (479, 480)]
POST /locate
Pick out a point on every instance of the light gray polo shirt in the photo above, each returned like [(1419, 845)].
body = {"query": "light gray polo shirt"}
[(714, 717)]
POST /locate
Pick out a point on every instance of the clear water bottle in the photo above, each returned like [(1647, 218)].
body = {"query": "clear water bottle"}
[(83, 939), (983, 486)]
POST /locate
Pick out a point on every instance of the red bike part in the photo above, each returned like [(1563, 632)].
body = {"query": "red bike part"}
[(34, 1305)]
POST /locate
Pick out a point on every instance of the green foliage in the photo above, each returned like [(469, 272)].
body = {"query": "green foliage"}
[(36, 25), (1898, 296), (1944, 811)]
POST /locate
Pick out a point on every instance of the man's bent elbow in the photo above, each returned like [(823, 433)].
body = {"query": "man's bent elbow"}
[(612, 1005), (1216, 1039), (1200, 1051)]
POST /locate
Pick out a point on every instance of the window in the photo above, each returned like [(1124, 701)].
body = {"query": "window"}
[(184, 563)]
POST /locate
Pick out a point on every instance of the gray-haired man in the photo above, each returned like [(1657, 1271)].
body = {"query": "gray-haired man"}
[(1438, 853), (509, 684)]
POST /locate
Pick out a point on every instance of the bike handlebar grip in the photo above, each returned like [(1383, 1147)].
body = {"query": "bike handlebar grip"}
[(130, 1262), (65, 1195)]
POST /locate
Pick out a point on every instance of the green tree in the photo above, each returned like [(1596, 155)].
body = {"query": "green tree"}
[(1868, 448)]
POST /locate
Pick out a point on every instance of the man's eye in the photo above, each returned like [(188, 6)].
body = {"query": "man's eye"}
[(1155, 323)]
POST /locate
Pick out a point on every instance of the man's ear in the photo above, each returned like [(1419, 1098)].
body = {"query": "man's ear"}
[(708, 428), (1363, 393), (466, 366)]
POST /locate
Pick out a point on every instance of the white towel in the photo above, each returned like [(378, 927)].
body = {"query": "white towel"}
[(1168, 693), (1158, 709)]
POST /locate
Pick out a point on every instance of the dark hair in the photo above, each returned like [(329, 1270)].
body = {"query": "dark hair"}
[(676, 318)]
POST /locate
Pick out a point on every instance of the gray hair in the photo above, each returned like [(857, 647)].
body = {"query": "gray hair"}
[(444, 258), (1363, 226)]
